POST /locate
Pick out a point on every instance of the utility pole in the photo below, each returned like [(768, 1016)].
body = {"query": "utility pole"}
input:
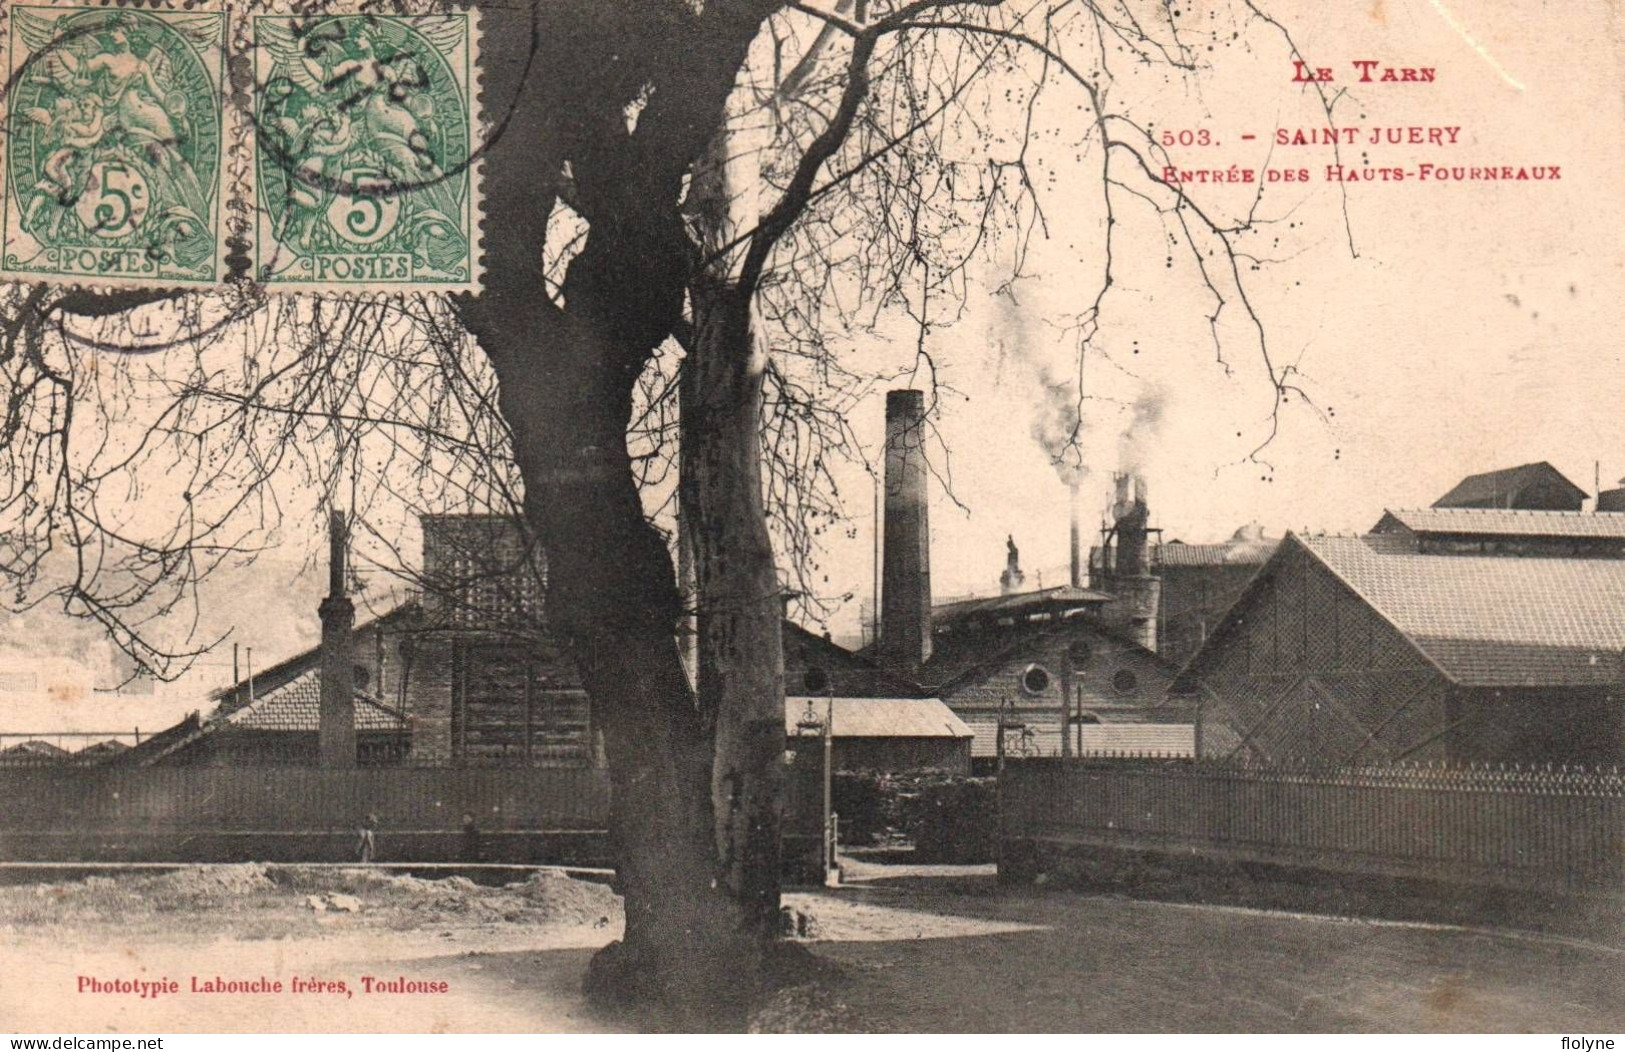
[(832, 873)]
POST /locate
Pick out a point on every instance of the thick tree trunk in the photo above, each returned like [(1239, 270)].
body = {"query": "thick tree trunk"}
[(567, 374), (741, 664)]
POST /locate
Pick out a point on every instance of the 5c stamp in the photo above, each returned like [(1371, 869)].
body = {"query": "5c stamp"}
[(365, 151), (113, 155)]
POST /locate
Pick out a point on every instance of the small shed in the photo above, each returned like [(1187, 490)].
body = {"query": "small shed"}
[(884, 735)]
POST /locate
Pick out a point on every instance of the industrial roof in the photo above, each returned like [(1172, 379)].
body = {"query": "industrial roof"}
[(34, 747), (1506, 522), (1234, 553), (1495, 486), (879, 717), (1491, 620), (1016, 605)]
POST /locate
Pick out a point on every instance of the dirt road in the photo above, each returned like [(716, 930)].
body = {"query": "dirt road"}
[(923, 950), (1098, 964)]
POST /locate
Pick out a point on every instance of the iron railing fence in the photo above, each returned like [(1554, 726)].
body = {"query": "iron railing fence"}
[(1538, 826)]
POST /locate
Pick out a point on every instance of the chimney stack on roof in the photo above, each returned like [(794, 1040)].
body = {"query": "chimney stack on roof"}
[(905, 597), (336, 736)]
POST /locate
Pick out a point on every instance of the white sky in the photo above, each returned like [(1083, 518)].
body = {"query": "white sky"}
[(1476, 329)]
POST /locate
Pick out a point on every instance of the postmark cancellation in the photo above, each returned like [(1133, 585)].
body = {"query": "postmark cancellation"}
[(366, 146)]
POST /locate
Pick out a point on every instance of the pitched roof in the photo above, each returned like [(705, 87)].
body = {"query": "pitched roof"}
[(35, 747), (961, 654), (1238, 551), (286, 671), (880, 717), (1234, 553), (296, 706), (848, 673), (1484, 621), (1495, 485), (1015, 605), (293, 706), (1504, 522), (110, 747)]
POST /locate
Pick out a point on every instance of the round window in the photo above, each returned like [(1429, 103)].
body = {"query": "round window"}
[(1126, 682), (815, 680), (1080, 654), (1035, 680)]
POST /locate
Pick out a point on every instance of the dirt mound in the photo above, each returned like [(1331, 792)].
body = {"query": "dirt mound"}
[(566, 900), (271, 895), (547, 897), (356, 879), (206, 882)]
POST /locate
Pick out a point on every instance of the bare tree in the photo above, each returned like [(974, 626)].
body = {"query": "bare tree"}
[(740, 178)]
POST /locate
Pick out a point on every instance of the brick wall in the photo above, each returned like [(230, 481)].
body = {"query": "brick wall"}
[(429, 700)]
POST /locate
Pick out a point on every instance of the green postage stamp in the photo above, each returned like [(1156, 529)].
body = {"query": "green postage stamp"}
[(114, 146), (331, 151), (366, 149)]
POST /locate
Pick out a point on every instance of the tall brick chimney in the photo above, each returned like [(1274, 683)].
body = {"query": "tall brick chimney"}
[(905, 596), (1076, 538), (337, 704)]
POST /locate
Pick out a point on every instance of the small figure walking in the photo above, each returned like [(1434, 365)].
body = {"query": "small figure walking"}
[(367, 843), (471, 839)]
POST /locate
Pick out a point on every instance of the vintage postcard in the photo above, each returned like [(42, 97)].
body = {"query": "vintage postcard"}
[(844, 516)]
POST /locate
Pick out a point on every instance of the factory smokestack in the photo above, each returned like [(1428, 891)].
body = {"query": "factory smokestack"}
[(1076, 540), (1133, 539), (905, 597), (1136, 595)]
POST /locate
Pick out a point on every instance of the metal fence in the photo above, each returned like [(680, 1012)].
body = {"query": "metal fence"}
[(1529, 826)]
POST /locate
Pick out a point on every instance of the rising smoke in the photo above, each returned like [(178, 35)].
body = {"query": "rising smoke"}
[(1057, 424), (1139, 438)]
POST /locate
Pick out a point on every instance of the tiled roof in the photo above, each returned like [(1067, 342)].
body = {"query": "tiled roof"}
[(1501, 522), (1178, 553), (296, 706), (236, 696), (1494, 485), (1492, 620), (880, 717), (1015, 605), (1245, 553)]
